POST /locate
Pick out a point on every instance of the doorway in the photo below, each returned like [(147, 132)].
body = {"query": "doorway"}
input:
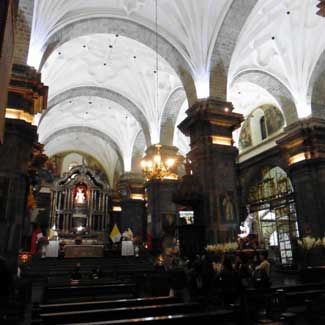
[(272, 207)]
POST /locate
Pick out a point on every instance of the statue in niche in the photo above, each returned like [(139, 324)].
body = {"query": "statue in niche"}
[(227, 207), (80, 197)]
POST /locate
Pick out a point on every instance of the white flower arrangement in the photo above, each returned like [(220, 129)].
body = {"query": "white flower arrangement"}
[(308, 242), (222, 248)]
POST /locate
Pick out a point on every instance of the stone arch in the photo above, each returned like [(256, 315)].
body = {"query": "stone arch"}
[(82, 153), (169, 116), (316, 88), (84, 129), (131, 30), (275, 87), (225, 45), (251, 173), (137, 152), (106, 94)]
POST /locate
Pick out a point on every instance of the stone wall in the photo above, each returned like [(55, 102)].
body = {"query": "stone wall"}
[(23, 30)]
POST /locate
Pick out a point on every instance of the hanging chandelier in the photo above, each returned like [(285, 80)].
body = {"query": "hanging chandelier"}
[(321, 6), (158, 168)]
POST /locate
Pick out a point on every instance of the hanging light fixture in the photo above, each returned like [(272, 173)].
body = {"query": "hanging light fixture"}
[(157, 67), (158, 168)]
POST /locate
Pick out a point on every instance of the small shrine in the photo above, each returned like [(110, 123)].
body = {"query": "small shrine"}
[(81, 203)]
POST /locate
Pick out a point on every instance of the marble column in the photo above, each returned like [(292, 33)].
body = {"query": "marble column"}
[(304, 148), (209, 124)]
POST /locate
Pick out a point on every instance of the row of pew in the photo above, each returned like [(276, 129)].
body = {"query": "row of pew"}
[(71, 308)]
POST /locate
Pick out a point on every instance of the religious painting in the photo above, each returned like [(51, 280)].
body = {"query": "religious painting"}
[(274, 119), (227, 207), (245, 138), (169, 223)]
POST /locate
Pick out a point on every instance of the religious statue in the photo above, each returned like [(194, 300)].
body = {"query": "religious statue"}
[(227, 207), (246, 227), (80, 196)]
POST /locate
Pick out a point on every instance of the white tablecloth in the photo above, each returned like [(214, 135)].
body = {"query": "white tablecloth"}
[(127, 248), (52, 249)]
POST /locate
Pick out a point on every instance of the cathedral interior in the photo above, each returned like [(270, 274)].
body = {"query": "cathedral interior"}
[(155, 137)]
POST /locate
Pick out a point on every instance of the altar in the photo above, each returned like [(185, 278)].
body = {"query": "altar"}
[(76, 251), (127, 248), (52, 249)]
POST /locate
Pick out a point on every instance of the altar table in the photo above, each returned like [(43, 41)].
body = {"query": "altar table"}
[(52, 249), (75, 251), (127, 248)]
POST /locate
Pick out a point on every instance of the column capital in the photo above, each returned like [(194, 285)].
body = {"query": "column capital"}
[(211, 120), (131, 186), (304, 140)]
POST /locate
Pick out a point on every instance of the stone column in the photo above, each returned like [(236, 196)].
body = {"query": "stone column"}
[(304, 147), (15, 154), (210, 123), (8, 14), (162, 211), (26, 97), (132, 202)]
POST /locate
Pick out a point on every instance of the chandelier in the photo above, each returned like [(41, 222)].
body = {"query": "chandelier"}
[(158, 168)]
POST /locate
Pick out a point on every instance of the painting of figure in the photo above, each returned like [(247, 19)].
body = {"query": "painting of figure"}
[(245, 138), (274, 119), (227, 207)]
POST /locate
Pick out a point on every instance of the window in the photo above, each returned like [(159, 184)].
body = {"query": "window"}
[(263, 128)]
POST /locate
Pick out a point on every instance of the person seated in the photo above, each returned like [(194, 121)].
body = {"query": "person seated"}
[(76, 275), (96, 273), (261, 274)]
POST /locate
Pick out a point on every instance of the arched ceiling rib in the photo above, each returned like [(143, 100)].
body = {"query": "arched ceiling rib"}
[(169, 116), (187, 30), (103, 93), (106, 119), (283, 39), (85, 142), (119, 63), (316, 88), (268, 84), (203, 46), (85, 130), (225, 44)]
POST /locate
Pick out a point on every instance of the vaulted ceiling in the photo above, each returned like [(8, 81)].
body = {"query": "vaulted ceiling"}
[(99, 60)]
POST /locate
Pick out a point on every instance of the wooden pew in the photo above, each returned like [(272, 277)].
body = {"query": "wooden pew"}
[(280, 299), (315, 310), (65, 281), (91, 292), (119, 313), (91, 305), (214, 317)]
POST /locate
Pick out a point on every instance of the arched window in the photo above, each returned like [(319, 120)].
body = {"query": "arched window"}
[(263, 128)]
